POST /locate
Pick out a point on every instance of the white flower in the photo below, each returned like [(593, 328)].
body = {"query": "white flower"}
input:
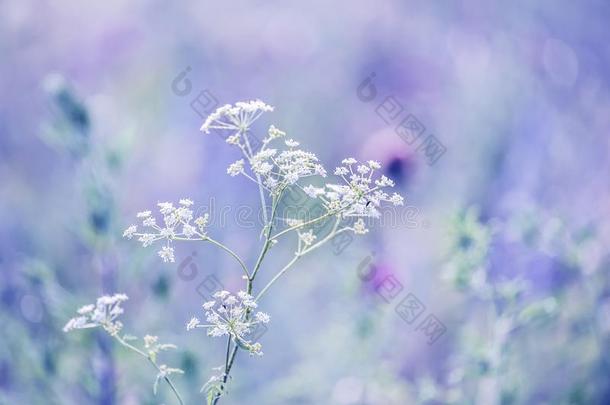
[(319, 170), (291, 143), (165, 207), (186, 202), (86, 309), (193, 323), (177, 222), (230, 315), (167, 254), (313, 191), (396, 199), (233, 139), (150, 221), (374, 164), (129, 232), (202, 222), (361, 195), (188, 230), (307, 237), (341, 171), (103, 313), (236, 168), (275, 133), (262, 317), (359, 227), (238, 117), (363, 169)]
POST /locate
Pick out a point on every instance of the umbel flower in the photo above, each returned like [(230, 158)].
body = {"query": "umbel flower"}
[(232, 315), (238, 117), (177, 223), (103, 313), (278, 166), (361, 194)]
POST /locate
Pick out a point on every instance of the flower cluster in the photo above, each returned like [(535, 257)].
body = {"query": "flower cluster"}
[(232, 315), (238, 117), (361, 194), (279, 169), (276, 168), (103, 313), (177, 222)]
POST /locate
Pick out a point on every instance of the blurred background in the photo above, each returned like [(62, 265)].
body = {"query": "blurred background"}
[(493, 119)]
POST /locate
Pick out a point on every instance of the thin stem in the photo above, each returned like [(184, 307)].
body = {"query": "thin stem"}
[(261, 192), (229, 251), (293, 228), (228, 366), (300, 254), (220, 245), (268, 239), (230, 359), (278, 275), (141, 353)]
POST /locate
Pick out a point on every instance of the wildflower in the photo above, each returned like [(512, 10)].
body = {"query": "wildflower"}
[(185, 201), (238, 117), (361, 194), (234, 139), (307, 237), (192, 323), (313, 191), (262, 317), (167, 254), (103, 313), (229, 315), (236, 167), (129, 232), (359, 227), (291, 143), (274, 133), (374, 164), (177, 222)]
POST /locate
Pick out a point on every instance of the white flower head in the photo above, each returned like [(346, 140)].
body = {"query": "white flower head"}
[(129, 232), (291, 143), (193, 323), (103, 313), (307, 238), (185, 202), (234, 316), (167, 254), (313, 191), (359, 227), (176, 222), (238, 117), (236, 168), (361, 194), (274, 133)]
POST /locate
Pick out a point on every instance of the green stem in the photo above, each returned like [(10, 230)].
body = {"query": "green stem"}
[(300, 254), (141, 353), (261, 192), (229, 251), (277, 276), (230, 359), (220, 245), (228, 366)]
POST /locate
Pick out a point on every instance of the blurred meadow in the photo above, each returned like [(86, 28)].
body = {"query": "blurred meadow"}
[(489, 286)]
